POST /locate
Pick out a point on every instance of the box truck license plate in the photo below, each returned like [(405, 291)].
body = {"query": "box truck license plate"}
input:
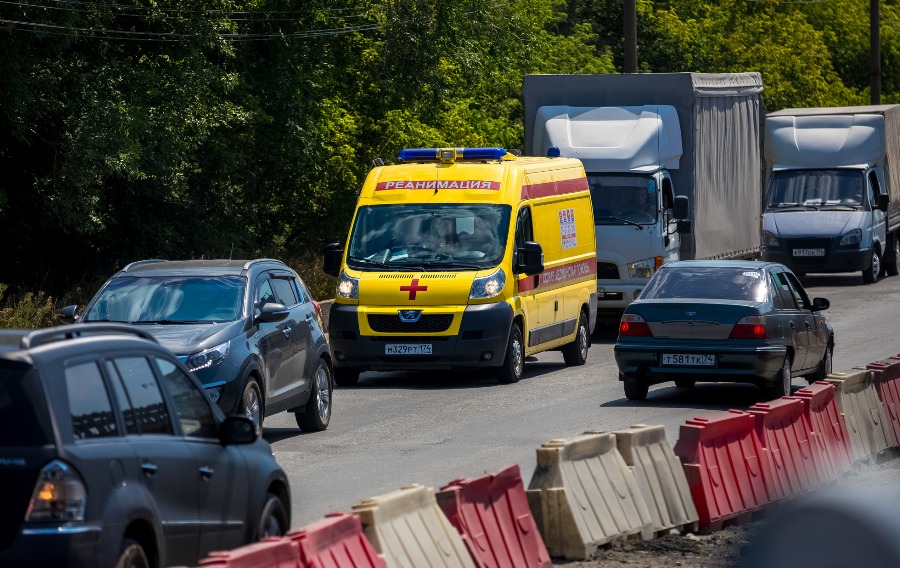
[(689, 359), (809, 252), (407, 349)]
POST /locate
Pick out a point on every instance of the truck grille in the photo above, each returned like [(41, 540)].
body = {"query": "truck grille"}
[(607, 271), (428, 323)]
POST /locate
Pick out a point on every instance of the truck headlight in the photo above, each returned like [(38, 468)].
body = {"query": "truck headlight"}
[(347, 287), (488, 286), (642, 268), (769, 239), (208, 357), (852, 238)]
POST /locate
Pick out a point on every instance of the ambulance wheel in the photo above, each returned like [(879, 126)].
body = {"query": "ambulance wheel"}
[(575, 353), (514, 365), (346, 377)]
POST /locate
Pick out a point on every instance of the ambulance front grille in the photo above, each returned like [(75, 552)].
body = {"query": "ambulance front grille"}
[(428, 323)]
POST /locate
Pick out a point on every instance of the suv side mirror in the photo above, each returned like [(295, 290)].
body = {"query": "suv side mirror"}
[(681, 208), (331, 262), (67, 314), (237, 429), (883, 200), (271, 312), (531, 259), (819, 304)]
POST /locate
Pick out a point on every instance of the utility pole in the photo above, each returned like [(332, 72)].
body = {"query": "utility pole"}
[(874, 52), (630, 20)]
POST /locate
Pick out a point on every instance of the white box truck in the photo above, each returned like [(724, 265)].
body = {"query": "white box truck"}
[(673, 162), (833, 194)]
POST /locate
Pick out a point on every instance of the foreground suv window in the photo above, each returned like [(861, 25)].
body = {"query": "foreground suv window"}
[(89, 405), (23, 411), (191, 405), (147, 408), (169, 299), (716, 283)]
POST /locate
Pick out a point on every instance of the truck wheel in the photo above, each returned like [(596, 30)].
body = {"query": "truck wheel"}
[(346, 377), (575, 353), (870, 274), (514, 365), (892, 261)]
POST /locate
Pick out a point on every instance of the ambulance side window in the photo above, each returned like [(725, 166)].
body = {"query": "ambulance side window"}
[(524, 231)]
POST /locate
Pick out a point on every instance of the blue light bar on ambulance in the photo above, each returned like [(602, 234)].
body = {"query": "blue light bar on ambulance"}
[(450, 155)]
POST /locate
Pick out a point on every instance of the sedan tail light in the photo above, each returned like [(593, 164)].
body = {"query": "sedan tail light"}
[(750, 327), (633, 325), (59, 495)]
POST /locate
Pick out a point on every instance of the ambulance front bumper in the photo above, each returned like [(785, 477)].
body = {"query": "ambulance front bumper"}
[(480, 342)]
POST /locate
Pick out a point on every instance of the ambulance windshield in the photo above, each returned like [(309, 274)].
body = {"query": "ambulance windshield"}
[(623, 199), (429, 236)]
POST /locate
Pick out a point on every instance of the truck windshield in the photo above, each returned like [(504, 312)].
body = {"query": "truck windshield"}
[(623, 199), (169, 300), (812, 189), (428, 236)]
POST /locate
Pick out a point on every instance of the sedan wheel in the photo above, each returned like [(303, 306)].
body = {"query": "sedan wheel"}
[(251, 404), (782, 385), (317, 413), (635, 390), (825, 365)]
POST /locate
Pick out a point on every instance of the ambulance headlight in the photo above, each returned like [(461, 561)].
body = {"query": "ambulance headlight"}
[(347, 287), (488, 286), (641, 268)]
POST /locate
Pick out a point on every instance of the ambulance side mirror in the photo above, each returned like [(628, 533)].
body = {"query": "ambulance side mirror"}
[(331, 262), (531, 259)]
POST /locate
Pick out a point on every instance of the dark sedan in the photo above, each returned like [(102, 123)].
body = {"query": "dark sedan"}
[(723, 321)]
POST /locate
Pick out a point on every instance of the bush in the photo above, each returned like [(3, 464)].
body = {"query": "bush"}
[(29, 311)]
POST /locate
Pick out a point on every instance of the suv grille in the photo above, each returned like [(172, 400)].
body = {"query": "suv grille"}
[(607, 271), (428, 323)]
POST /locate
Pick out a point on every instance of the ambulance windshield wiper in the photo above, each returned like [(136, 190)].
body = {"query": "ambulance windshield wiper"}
[(444, 264), (366, 261)]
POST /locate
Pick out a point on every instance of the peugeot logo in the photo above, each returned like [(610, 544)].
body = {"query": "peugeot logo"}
[(690, 314), (409, 316)]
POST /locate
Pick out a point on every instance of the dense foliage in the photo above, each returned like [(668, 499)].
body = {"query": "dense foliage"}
[(207, 128)]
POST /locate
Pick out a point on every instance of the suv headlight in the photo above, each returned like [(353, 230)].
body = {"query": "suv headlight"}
[(488, 286), (208, 357), (852, 238), (642, 268), (769, 239), (347, 287)]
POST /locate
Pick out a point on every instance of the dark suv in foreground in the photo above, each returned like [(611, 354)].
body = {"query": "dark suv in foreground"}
[(112, 455), (248, 329)]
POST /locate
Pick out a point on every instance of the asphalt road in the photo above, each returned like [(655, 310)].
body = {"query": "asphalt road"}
[(394, 429)]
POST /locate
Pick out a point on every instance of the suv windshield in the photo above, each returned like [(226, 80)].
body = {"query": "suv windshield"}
[(741, 284), (623, 199), (811, 189), (23, 412), (429, 236), (169, 299)]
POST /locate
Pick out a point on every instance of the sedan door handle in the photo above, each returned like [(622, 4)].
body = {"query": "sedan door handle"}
[(149, 468), (206, 472), (286, 331)]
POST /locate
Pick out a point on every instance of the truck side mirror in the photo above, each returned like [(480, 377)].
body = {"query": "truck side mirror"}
[(681, 208), (883, 200), (331, 262), (531, 259), (684, 226)]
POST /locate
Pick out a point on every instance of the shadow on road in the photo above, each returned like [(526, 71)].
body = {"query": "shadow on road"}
[(437, 380), (708, 396), (273, 435), (826, 280)]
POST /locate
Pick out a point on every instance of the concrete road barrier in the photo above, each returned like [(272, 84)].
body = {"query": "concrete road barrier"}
[(659, 476), (583, 495)]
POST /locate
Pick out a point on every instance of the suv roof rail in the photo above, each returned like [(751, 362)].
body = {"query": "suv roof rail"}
[(254, 261), (61, 333), (142, 262)]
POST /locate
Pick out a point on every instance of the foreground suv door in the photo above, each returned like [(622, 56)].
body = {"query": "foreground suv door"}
[(218, 468)]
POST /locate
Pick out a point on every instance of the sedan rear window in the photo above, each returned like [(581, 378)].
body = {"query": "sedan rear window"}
[(23, 411), (714, 283)]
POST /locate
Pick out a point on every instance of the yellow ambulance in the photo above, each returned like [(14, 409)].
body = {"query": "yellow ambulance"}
[(462, 258)]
